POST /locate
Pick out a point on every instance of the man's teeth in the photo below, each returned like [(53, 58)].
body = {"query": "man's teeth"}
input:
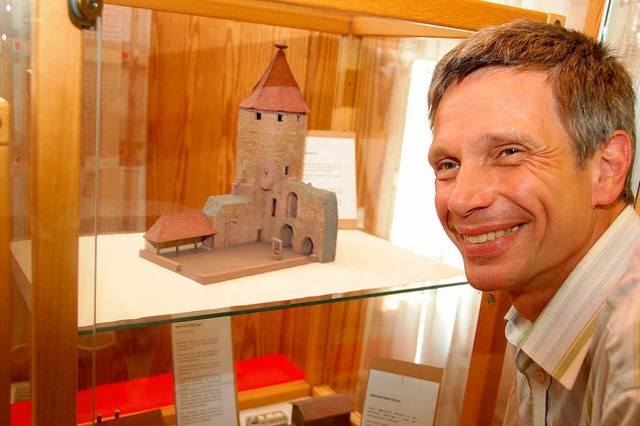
[(476, 239)]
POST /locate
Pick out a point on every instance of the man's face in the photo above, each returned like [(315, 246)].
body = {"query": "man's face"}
[(509, 192)]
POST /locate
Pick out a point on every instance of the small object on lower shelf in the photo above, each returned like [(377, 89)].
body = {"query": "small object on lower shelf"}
[(329, 410), (276, 418), (147, 418)]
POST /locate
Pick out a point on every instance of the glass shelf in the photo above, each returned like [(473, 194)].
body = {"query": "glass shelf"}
[(133, 292)]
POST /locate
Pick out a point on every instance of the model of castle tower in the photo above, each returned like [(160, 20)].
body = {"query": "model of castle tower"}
[(268, 203)]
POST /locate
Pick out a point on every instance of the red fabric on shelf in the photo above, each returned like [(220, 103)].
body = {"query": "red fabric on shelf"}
[(266, 370), (153, 392), (129, 397)]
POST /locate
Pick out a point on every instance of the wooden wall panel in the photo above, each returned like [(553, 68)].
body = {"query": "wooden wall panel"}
[(258, 334), (300, 334), (344, 345), (376, 76), (593, 20), (321, 82), (125, 354), (487, 360)]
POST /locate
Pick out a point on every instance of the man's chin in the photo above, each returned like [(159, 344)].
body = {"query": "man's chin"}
[(486, 283)]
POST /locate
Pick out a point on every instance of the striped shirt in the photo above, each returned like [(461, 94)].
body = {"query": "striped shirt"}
[(579, 362)]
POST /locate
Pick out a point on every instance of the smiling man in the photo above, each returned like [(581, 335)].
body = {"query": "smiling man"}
[(533, 143)]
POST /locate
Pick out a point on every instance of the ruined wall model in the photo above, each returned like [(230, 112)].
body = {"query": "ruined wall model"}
[(268, 198)]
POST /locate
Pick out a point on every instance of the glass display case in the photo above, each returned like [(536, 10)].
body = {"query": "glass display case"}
[(106, 129)]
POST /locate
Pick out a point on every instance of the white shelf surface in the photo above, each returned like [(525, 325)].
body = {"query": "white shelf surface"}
[(131, 289)]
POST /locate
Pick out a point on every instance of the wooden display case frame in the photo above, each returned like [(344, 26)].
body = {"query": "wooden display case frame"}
[(55, 151)]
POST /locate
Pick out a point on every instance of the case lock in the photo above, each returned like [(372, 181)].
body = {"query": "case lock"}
[(84, 13)]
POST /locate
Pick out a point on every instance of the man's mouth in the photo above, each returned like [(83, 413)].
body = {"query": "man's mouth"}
[(489, 236)]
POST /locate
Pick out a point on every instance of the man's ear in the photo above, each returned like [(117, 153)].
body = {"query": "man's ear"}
[(612, 161)]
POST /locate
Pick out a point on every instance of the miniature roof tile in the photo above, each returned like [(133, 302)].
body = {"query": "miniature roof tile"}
[(179, 226), (277, 90)]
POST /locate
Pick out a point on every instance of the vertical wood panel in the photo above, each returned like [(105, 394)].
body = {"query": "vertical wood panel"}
[(593, 20), (322, 79), (295, 330), (487, 360), (316, 342), (344, 345), (257, 334), (376, 76), (344, 110), (5, 264), (54, 181)]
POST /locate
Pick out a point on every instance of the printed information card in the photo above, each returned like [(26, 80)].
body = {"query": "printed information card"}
[(203, 373), (330, 163), (401, 394)]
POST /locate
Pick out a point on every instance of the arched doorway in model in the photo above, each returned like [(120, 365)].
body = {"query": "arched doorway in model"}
[(307, 246), (292, 204), (286, 235)]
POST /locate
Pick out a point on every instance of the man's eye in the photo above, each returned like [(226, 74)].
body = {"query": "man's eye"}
[(446, 169), (509, 151), (447, 165)]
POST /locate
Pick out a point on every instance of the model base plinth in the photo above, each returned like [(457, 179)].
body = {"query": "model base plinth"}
[(212, 266)]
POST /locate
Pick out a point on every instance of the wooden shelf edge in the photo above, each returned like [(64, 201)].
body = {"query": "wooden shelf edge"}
[(462, 14), (397, 18), (383, 27), (258, 12), (273, 394)]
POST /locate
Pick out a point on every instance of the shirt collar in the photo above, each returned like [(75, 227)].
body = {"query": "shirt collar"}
[(559, 338)]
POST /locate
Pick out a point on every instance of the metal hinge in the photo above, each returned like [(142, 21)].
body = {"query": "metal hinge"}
[(84, 13)]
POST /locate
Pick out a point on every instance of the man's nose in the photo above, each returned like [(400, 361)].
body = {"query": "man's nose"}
[(473, 189)]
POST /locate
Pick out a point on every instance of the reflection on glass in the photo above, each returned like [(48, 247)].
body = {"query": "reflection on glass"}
[(15, 65)]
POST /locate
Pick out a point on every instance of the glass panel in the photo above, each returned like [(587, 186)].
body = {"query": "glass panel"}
[(90, 143), (169, 91), (121, 162), (331, 346), (112, 164), (15, 64), (169, 113)]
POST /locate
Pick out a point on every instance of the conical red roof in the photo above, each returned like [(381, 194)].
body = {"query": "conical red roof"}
[(277, 90)]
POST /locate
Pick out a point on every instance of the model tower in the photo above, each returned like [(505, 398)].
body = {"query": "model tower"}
[(272, 124), (268, 200)]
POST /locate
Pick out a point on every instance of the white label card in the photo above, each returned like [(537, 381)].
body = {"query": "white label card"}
[(404, 396), (330, 163), (203, 372)]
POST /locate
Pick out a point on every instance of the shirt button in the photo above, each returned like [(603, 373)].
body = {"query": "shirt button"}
[(541, 376)]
